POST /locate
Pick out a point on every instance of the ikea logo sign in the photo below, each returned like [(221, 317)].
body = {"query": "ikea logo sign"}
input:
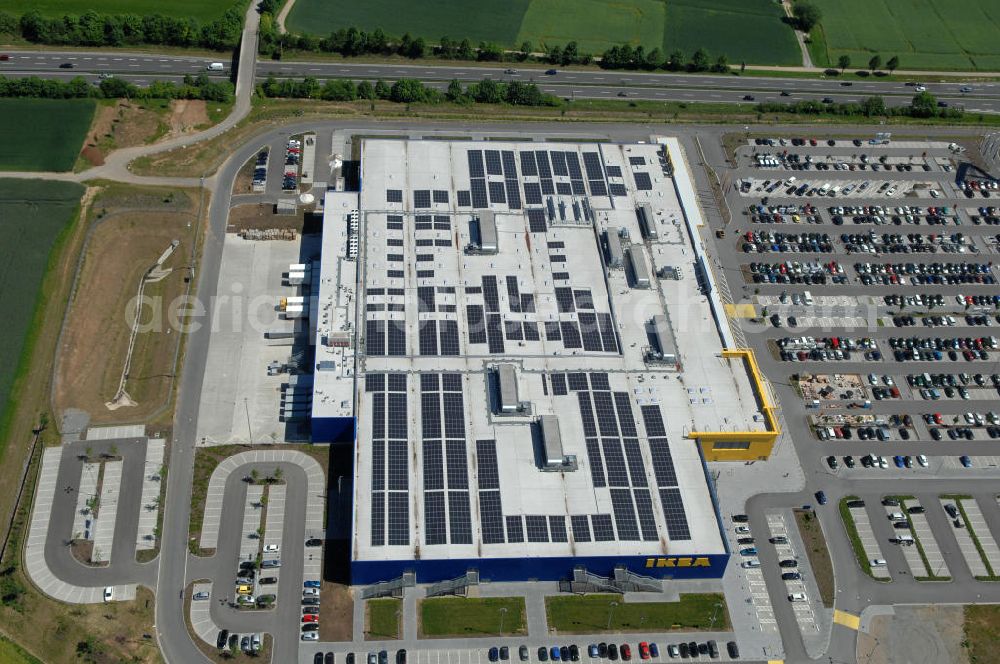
[(678, 562)]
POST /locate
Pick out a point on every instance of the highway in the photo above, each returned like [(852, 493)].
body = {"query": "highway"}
[(142, 68)]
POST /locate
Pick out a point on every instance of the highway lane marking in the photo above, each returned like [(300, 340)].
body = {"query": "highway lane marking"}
[(846, 619)]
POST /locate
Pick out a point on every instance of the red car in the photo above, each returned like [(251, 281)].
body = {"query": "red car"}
[(310, 618), (626, 652), (644, 650)]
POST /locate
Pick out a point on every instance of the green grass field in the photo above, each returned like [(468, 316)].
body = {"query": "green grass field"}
[(383, 618), (744, 30), (925, 34), (201, 10), (33, 213), (43, 134), (472, 616), (587, 614), (11, 653)]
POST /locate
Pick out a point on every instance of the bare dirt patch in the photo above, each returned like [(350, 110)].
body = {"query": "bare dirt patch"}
[(186, 115), (919, 634), (121, 124), (132, 227)]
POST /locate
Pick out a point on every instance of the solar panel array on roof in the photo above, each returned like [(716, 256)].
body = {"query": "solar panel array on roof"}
[(564, 189), (464, 198), (425, 298), (513, 195), (449, 337), (592, 164), (674, 514), (598, 188), (552, 331), (590, 333), (474, 319), (374, 337), (422, 198), (581, 527), (390, 463), (396, 339), (528, 163), (513, 330), (573, 166), (571, 334), (557, 528), (637, 161), (558, 384), (642, 181), (441, 196), (493, 164), (617, 189), (475, 158), (613, 171), (513, 294), (435, 526), (608, 338), (491, 295), (537, 527), (624, 511), (564, 299), (479, 198), (542, 159), (494, 333), (428, 337), (497, 192), (647, 521), (579, 189), (548, 189), (515, 529), (532, 193), (603, 529), (394, 195), (509, 164), (536, 218), (559, 163)]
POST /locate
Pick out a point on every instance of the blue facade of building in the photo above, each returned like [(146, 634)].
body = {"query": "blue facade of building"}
[(555, 568), (332, 429)]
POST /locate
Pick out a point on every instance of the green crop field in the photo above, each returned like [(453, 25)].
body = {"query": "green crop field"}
[(33, 213), (201, 10), (925, 34), (43, 134), (744, 30)]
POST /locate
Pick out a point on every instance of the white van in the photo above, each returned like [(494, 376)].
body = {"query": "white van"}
[(798, 597), (215, 66), (896, 516), (876, 562), (904, 539)]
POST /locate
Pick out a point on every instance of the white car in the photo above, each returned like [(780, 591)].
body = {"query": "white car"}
[(271, 548), (109, 594), (935, 193), (752, 563), (922, 460), (742, 530), (310, 592), (797, 597), (921, 88), (310, 636)]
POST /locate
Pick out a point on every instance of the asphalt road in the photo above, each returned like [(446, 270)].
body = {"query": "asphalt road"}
[(141, 68)]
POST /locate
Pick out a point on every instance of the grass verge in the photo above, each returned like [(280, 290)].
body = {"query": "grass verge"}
[(587, 614), (472, 616), (383, 618), (982, 633), (819, 554), (852, 534)]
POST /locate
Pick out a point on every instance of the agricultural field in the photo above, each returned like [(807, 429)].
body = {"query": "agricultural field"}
[(33, 214), (744, 30), (43, 134), (925, 34), (202, 11)]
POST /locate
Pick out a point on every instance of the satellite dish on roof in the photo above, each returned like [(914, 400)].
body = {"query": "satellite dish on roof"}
[(306, 199)]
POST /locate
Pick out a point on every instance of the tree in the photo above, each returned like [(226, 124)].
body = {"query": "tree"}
[(278, 473), (381, 89), (893, 63), (924, 105), (873, 106), (699, 61), (675, 60), (875, 62), (843, 62), (455, 91), (254, 475), (721, 65), (365, 90), (806, 15)]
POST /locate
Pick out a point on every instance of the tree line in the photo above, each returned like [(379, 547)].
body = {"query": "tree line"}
[(352, 42), (923, 105), (197, 87), (406, 91), (95, 29)]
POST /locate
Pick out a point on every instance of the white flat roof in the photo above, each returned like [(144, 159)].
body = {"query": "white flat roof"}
[(439, 472)]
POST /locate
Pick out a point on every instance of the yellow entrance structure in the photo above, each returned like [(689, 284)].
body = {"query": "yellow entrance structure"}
[(743, 445)]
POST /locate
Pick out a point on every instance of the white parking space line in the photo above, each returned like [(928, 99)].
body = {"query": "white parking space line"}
[(868, 541), (965, 544), (977, 523), (107, 512), (910, 553)]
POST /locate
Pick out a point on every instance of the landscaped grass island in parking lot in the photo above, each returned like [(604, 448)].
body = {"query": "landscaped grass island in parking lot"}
[(744, 30)]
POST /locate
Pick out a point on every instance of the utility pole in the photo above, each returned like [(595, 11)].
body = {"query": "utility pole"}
[(503, 612), (611, 612)]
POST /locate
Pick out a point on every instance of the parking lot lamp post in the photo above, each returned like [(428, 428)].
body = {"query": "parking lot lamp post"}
[(715, 614), (503, 613), (611, 612)]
